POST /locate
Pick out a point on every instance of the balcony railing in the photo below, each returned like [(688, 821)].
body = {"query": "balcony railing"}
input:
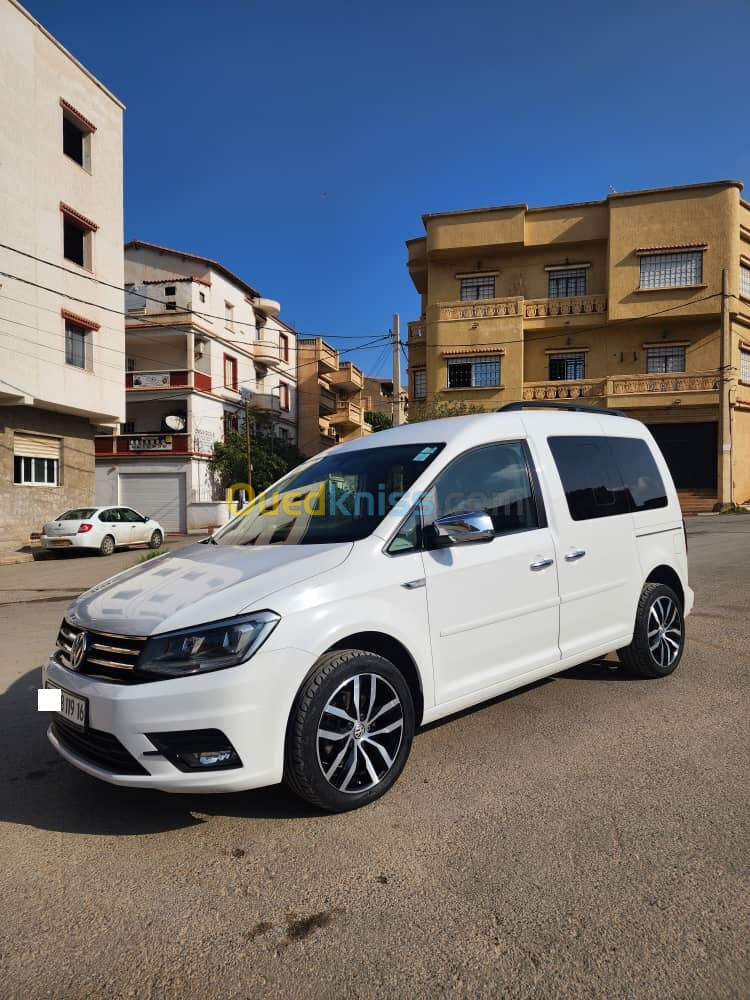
[(580, 305), (681, 382), (268, 401), (142, 444), (481, 309), (346, 413), (586, 388), (349, 378), (146, 380), (417, 330)]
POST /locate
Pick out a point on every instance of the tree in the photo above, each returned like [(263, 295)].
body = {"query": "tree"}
[(439, 408), (378, 421), (271, 457)]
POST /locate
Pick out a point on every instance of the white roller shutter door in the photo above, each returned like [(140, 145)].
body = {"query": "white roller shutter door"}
[(160, 495)]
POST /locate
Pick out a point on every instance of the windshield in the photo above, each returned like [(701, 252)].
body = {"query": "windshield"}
[(79, 514), (340, 498)]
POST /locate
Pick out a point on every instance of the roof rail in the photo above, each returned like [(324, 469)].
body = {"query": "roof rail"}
[(543, 404)]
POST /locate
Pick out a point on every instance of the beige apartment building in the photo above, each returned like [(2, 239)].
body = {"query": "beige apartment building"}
[(330, 397), (61, 304), (639, 302)]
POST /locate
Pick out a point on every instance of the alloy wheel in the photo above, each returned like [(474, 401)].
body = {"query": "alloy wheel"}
[(664, 631), (359, 733)]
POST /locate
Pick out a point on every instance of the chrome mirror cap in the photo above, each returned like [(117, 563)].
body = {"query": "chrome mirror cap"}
[(469, 526)]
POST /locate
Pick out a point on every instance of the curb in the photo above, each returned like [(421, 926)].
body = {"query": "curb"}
[(16, 557)]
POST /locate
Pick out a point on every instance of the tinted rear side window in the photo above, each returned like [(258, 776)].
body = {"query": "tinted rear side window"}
[(639, 473), (592, 483)]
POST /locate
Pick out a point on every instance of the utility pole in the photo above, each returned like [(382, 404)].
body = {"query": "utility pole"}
[(396, 370), (726, 486), (247, 445)]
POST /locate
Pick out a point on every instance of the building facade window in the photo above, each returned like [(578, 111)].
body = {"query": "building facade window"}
[(477, 288), (665, 359), (229, 315), (230, 372), (77, 345), (745, 280), (671, 270), (36, 460), (77, 132), (231, 423), (284, 396), (567, 367), (78, 238), (473, 373), (564, 284), (284, 347), (420, 383), (745, 365)]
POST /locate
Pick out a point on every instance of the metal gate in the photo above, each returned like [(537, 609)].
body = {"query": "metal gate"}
[(160, 495)]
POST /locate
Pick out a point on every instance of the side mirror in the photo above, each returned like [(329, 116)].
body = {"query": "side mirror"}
[(455, 529)]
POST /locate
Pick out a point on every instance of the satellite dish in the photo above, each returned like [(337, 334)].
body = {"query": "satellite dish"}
[(175, 422)]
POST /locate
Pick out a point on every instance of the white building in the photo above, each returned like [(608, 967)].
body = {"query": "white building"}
[(200, 341), (61, 225)]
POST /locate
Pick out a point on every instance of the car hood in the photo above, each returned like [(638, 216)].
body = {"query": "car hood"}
[(200, 583)]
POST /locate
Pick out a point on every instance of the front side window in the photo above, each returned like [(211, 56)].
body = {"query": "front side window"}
[(339, 497), (494, 479), (76, 345), (567, 367), (665, 359), (477, 288), (592, 483), (672, 270), (471, 373), (745, 280), (564, 284), (28, 471), (420, 383), (129, 516)]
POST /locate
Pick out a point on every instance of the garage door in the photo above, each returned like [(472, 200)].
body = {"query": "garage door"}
[(161, 495), (690, 451)]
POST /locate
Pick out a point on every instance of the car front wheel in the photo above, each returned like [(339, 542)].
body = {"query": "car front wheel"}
[(350, 730), (659, 634), (155, 540)]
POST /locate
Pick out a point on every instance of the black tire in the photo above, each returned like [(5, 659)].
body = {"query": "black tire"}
[(108, 546), (155, 540), (331, 684), (659, 635)]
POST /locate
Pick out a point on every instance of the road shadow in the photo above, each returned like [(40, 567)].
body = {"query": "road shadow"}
[(40, 789)]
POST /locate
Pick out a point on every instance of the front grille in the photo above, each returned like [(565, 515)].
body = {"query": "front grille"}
[(102, 749), (108, 657)]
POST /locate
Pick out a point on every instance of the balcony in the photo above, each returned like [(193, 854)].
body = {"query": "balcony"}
[(348, 378), (327, 401), (142, 445), (266, 401), (265, 352), (326, 356), (141, 381), (480, 309), (417, 331), (630, 391), (347, 416), (581, 305), (268, 307)]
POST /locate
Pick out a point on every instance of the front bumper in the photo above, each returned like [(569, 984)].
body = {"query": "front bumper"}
[(249, 703)]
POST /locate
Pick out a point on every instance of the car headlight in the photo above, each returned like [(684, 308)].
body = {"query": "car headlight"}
[(207, 647)]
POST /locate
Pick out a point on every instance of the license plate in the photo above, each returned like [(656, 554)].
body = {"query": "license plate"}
[(63, 541), (72, 706)]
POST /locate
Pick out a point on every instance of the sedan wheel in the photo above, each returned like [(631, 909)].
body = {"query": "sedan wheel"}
[(659, 633), (350, 730), (155, 540), (108, 546)]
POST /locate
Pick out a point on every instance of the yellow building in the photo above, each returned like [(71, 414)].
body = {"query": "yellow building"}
[(330, 397), (615, 303)]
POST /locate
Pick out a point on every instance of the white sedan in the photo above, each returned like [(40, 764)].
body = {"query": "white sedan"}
[(102, 528)]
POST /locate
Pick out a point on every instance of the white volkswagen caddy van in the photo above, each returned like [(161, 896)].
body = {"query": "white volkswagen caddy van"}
[(381, 585)]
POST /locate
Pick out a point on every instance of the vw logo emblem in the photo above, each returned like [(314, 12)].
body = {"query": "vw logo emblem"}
[(78, 650)]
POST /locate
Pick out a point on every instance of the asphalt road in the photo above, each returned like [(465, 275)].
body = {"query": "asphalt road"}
[(584, 837)]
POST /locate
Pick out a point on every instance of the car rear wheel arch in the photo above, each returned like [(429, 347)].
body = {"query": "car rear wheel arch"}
[(667, 576)]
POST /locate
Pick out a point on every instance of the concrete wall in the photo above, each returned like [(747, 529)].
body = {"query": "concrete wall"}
[(24, 509)]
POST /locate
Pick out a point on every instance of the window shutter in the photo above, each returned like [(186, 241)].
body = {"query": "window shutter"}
[(36, 446)]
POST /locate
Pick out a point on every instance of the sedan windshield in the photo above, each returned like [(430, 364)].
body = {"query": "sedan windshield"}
[(78, 514), (341, 497)]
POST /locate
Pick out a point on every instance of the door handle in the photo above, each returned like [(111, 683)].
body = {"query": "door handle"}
[(575, 554), (541, 564)]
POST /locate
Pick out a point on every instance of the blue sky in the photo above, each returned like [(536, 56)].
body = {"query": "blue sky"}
[(300, 142)]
